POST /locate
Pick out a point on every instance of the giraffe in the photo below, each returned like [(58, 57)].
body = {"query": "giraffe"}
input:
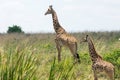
[(62, 37), (98, 64)]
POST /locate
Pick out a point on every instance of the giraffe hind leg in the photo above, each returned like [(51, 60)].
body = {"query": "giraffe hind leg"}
[(73, 50), (78, 57), (111, 75)]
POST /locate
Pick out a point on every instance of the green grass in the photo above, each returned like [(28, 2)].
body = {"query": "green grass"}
[(17, 64), (34, 57)]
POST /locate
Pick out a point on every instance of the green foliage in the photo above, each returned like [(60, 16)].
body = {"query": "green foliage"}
[(17, 65), (61, 71), (85, 57), (114, 58), (14, 29), (48, 47), (31, 57), (52, 73)]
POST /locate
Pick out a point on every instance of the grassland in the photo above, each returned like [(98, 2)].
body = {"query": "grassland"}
[(34, 57)]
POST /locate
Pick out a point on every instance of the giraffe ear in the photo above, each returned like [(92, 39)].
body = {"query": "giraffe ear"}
[(86, 36)]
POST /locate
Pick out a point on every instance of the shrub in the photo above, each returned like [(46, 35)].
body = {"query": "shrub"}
[(14, 29)]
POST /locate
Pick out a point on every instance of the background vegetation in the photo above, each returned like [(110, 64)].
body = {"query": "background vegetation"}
[(14, 29), (34, 57)]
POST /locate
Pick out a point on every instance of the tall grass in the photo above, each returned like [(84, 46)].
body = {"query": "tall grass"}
[(61, 71), (17, 64), (34, 57)]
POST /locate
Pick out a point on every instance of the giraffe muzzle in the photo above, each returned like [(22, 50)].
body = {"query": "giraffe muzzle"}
[(45, 13)]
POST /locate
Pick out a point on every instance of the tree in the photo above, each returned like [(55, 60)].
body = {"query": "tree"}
[(14, 29)]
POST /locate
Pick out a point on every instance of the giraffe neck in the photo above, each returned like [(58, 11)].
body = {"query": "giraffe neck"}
[(92, 51), (57, 26)]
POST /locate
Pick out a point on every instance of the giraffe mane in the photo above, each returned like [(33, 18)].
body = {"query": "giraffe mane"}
[(100, 56)]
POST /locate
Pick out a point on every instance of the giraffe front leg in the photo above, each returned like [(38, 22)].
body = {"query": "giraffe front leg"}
[(58, 46), (95, 75)]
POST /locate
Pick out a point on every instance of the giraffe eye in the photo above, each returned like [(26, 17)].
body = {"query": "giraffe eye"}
[(49, 9)]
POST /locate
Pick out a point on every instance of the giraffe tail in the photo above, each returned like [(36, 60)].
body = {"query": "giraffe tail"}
[(114, 74)]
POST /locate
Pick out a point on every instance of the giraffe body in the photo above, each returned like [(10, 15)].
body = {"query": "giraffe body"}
[(62, 37), (98, 64)]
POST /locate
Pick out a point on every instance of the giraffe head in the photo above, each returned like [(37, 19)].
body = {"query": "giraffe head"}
[(50, 10), (84, 39)]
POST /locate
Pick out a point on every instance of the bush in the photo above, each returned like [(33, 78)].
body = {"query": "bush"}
[(14, 29)]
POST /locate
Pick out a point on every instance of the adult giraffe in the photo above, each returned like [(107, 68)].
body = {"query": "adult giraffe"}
[(62, 37)]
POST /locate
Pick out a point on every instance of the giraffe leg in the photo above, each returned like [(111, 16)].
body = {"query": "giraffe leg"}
[(78, 57), (111, 75), (73, 50), (58, 46), (95, 75)]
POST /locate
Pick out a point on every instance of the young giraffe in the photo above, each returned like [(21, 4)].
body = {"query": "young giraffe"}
[(62, 37), (98, 64)]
